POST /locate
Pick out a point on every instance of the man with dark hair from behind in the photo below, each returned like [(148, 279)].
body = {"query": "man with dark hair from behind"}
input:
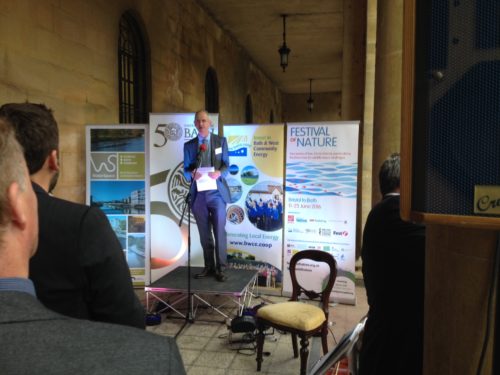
[(393, 272), (35, 340), (79, 269)]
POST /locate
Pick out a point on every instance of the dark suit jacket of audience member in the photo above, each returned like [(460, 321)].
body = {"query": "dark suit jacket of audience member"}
[(393, 272), (220, 162), (35, 340), (79, 269)]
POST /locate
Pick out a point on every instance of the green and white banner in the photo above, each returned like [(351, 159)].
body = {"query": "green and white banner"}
[(117, 166)]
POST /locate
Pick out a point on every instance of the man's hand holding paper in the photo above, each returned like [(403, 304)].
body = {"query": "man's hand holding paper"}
[(206, 181)]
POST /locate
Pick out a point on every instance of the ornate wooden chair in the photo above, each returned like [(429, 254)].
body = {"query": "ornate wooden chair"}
[(299, 318)]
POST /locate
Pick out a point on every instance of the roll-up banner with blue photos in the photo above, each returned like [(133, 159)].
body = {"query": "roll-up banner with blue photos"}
[(117, 167)]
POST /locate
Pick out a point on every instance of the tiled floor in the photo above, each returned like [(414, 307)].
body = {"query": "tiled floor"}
[(207, 346)]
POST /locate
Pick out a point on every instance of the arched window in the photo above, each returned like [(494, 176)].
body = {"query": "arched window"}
[(134, 73), (248, 110), (271, 117), (211, 91)]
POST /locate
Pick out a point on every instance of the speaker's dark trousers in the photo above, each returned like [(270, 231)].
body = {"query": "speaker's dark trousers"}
[(209, 210)]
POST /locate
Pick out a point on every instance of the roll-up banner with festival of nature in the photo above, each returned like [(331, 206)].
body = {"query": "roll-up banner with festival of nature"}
[(320, 201), (255, 215), (167, 133)]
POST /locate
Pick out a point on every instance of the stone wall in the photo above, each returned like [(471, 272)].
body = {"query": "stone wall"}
[(64, 54)]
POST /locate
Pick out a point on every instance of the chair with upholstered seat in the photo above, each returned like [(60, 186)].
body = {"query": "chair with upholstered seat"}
[(299, 318)]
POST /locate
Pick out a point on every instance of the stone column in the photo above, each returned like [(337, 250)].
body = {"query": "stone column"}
[(353, 81), (353, 59), (367, 124), (387, 106)]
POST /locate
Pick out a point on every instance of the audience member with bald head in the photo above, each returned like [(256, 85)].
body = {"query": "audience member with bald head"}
[(18, 223)]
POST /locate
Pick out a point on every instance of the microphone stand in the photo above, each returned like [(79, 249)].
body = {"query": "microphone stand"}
[(187, 203)]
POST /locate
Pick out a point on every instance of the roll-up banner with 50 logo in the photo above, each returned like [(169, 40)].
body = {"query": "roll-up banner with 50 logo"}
[(168, 189)]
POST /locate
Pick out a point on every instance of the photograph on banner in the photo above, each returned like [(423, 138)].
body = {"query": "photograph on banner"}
[(255, 215), (118, 197), (168, 191), (117, 139), (320, 205), (116, 183)]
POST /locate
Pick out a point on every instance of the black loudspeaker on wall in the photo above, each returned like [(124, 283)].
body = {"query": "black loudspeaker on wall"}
[(450, 143)]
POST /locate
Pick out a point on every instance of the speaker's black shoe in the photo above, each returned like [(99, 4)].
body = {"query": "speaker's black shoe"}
[(219, 276), (205, 273)]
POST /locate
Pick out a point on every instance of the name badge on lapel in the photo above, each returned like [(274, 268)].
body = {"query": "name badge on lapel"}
[(218, 150)]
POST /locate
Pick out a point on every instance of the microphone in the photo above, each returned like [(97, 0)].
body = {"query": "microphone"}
[(203, 148)]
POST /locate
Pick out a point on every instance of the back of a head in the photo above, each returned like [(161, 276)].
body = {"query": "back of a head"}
[(12, 167), (36, 130), (389, 174)]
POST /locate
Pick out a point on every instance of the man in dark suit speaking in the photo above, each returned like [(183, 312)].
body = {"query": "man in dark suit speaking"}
[(35, 340), (206, 160)]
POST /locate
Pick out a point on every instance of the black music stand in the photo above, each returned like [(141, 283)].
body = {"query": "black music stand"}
[(187, 204), (344, 348)]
